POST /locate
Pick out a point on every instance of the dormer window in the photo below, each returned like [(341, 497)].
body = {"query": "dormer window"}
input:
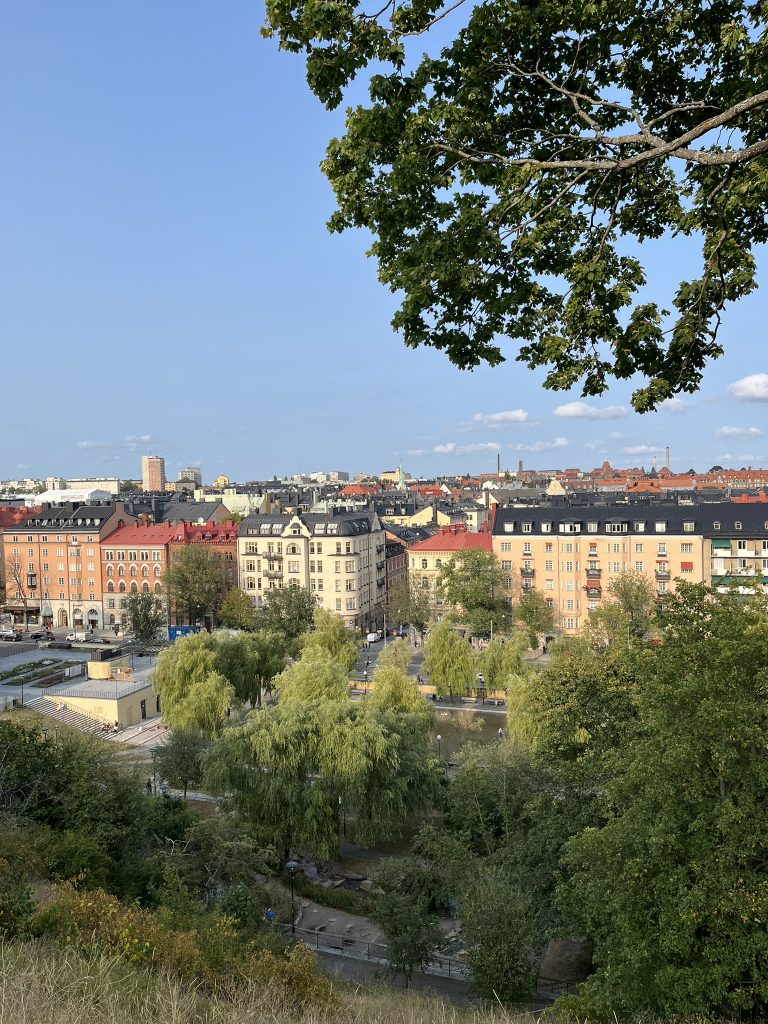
[(737, 525), (527, 527), (661, 527)]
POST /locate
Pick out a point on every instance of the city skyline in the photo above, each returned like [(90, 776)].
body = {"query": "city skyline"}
[(178, 265)]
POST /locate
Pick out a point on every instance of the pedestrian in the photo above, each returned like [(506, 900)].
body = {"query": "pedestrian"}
[(149, 785), (365, 675)]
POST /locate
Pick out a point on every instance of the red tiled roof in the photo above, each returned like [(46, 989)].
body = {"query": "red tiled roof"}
[(454, 538), (136, 536), (17, 514)]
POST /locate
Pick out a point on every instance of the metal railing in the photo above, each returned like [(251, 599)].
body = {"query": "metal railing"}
[(117, 692), (377, 952)]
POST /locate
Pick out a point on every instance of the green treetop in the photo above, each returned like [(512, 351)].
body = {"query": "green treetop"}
[(523, 152)]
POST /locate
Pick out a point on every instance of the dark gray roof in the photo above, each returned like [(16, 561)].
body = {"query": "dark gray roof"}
[(710, 519), (70, 515), (332, 524)]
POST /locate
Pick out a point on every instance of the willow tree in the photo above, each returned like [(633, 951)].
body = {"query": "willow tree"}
[(509, 175)]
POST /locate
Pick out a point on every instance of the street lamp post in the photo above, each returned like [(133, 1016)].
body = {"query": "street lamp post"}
[(292, 865), (342, 818), (438, 738)]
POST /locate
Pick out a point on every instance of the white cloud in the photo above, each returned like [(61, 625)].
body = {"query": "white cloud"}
[(584, 411), (130, 444), (675, 406), (596, 446), (416, 451), (501, 419), (738, 433), (742, 460), (451, 448), (540, 446), (641, 449), (753, 388)]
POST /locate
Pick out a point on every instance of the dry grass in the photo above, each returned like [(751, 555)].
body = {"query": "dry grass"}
[(40, 984)]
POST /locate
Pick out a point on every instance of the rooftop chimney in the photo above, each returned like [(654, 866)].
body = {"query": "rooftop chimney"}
[(666, 456)]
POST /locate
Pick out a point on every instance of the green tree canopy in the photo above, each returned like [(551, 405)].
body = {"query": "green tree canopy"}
[(448, 660), (288, 765), (146, 616), (317, 674), (288, 611), (472, 584), (672, 888), (237, 610), (408, 604), (330, 633), (246, 661), (408, 922), (196, 581), (535, 616), (501, 660), (393, 688), (180, 758), (526, 158)]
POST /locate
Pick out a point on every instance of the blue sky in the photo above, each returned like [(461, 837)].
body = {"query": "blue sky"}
[(167, 283)]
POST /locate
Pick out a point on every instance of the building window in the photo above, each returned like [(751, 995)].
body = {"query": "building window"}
[(546, 527), (662, 549), (293, 566), (338, 604), (715, 526), (506, 545), (661, 527), (568, 548), (569, 566), (548, 565), (638, 549), (158, 588), (548, 547), (527, 527), (506, 564), (686, 566), (689, 527), (527, 548), (549, 584), (638, 566), (423, 563), (591, 527)]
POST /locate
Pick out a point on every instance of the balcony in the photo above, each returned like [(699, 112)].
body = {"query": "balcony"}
[(273, 574), (527, 574), (379, 549), (379, 566), (270, 555), (662, 574), (381, 583), (594, 574), (594, 592)]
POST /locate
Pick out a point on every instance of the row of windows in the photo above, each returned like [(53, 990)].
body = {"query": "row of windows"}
[(660, 526), (133, 556)]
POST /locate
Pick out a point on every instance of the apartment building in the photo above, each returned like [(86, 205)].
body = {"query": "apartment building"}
[(570, 553), (339, 557), (152, 473), (133, 560), (736, 544), (427, 557), (53, 564)]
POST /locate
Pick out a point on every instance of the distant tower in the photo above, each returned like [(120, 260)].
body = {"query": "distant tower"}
[(152, 473), (400, 478), (666, 456)]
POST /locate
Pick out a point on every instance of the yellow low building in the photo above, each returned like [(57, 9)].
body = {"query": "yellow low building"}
[(112, 694)]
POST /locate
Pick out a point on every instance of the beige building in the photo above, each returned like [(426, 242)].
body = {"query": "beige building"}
[(428, 557), (339, 558), (112, 695), (152, 473), (571, 552)]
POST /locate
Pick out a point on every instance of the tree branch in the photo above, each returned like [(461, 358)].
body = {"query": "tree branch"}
[(421, 31)]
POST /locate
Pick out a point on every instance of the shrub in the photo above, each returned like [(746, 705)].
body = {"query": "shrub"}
[(339, 899)]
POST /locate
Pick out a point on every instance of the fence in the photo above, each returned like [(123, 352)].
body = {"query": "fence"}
[(106, 694), (18, 647), (376, 952)]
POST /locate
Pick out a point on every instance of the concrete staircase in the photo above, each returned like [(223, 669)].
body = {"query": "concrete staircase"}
[(52, 709)]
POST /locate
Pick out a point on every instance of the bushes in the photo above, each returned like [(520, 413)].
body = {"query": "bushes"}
[(209, 953)]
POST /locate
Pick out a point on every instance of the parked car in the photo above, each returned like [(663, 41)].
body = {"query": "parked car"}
[(9, 634), (97, 640), (41, 634), (76, 637)]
